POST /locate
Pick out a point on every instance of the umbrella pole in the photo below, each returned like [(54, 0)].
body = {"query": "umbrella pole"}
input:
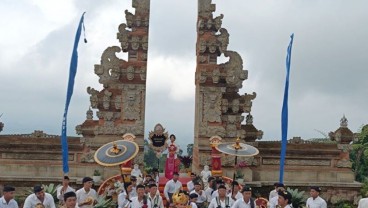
[(232, 188)]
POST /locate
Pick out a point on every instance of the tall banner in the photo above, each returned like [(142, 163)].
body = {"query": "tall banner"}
[(284, 114), (72, 73)]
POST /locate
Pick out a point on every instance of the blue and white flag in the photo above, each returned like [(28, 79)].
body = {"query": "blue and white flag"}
[(284, 114), (72, 73)]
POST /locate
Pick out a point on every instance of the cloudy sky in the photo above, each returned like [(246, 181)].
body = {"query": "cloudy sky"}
[(328, 74)]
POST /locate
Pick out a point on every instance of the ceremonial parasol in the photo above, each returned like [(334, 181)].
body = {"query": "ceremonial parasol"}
[(116, 153), (237, 149)]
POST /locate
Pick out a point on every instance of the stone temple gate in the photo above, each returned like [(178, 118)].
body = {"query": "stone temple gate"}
[(220, 112)]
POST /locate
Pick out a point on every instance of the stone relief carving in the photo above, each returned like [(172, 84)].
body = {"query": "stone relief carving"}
[(135, 42), (145, 42), (123, 36), (298, 162), (201, 76), (129, 18), (204, 159), (144, 56), (94, 96), (344, 164), (203, 59), (212, 46), (130, 73), (88, 157), (212, 105), (224, 105), (106, 99), (118, 101), (247, 101), (131, 104), (215, 130), (234, 69), (109, 68), (228, 160), (143, 73), (216, 75), (235, 106), (202, 46), (205, 8), (223, 38), (218, 22), (141, 5), (89, 114)]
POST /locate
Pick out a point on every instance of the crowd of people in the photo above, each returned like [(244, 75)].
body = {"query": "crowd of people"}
[(145, 194)]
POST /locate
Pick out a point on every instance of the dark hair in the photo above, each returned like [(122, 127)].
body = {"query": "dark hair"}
[(66, 178), (69, 194), (193, 196), (176, 173), (140, 186), (152, 185), (8, 188), (172, 135), (221, 187)]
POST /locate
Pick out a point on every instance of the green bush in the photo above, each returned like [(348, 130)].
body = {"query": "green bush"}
[(298, 198)]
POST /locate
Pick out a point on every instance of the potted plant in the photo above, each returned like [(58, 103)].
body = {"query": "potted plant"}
[(96, 176)]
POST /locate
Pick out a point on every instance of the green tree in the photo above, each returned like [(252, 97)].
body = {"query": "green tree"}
[(359, 155), (190, 149), (150, 159)]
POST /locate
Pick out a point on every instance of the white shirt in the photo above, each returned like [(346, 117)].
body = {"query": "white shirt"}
[(60, 194), (274, 201), (273, 193), (214, 194), (138, 204), (237, 195), (157, 199), (122, 201), (82, 195), (214, 201), (208, 193), (363, 203), (201, 197), (240, 203), (193, 205), (133, 193), (32, 200), (172, 187), (316, 203), (12, 203), (190, 186), (136, 172)]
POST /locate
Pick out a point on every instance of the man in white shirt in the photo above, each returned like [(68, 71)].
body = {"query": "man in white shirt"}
[(70, 200), (134, 181), (7, 200), (284, 200), (246, 201), (39, 196), (210, 189), (86, 196), (201, 195), (219, 182), (193, 200), (363, 203), (154, 197), (236, 195), (171, 187), (190, 184), (221, 201), (274, 193), (274, 200), (124, 197), (315, 201), (65, 188), (140, 201)]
